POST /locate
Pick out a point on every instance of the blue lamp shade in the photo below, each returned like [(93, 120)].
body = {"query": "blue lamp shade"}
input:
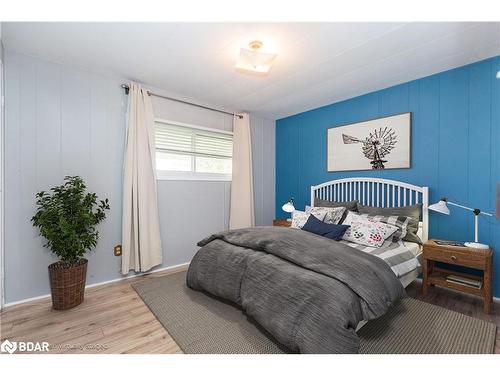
[(288, 206), (440, 207)]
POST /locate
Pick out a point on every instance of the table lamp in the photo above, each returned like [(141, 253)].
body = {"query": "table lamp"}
[(288, 207), (442, 207)]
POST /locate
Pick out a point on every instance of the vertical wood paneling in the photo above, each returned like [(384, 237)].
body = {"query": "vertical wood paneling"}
[(495, 167), (455, 133), (453, 146), (62, 121), (75, 108), (102, 174), (427, 151), (268, 171), (116, 107), (48, 139), (257, 133), (263, 156), (12, 175), (28, 172), (417, 136), (98, 134), (286, 159), (479, 132)]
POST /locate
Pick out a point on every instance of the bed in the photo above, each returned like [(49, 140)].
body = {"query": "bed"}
[(383, 193), (309, 292)]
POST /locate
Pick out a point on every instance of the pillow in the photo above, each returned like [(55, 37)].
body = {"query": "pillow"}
[(399, 221), (349, 206), (332, 214), (299, 218), (351, 216), (413, 212), (368, 232), (332, 231)]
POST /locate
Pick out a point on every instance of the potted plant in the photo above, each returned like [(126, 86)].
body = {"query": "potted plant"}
[(67, 217)]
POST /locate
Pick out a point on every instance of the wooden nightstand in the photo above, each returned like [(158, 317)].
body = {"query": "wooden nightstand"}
[(479, 259), (281, 223)]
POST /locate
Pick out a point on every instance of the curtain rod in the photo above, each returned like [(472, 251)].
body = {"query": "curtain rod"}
[(127, 88)]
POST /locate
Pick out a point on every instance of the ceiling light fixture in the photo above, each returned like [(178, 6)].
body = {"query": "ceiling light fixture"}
[(254, 60)]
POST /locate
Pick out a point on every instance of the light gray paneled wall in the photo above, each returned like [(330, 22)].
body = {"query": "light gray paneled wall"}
[(1, 171), (60, 121), (263, 163)]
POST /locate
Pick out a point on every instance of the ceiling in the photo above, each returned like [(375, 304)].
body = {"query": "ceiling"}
[(317, 63)]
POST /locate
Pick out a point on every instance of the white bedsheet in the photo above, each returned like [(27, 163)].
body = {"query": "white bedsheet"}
[(400, 257), (408, 277), (415, 248)]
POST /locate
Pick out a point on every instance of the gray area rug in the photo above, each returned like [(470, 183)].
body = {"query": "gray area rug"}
[(202, 324)]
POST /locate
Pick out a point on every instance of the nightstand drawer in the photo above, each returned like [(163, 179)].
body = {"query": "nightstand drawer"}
[(454, 257)]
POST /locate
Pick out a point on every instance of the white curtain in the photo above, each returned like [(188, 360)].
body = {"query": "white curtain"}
[(141, 242), (241, 214)]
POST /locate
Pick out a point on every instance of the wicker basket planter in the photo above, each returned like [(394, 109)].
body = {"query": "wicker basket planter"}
[(67, 284)]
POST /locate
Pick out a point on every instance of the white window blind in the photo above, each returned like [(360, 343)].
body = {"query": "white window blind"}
[(186, 152)]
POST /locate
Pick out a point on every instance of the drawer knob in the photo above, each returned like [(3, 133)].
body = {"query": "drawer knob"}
[(453, 257)]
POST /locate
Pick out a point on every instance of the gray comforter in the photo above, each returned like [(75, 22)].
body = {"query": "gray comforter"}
[(307, 291)]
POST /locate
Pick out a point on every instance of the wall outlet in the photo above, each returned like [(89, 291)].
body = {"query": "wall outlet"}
[(117, 250)]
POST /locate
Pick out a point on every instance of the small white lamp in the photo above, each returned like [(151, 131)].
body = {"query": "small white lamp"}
[(442, 207), (288, 207)]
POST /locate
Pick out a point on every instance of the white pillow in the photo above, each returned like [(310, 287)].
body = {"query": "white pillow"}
[(366, 231), (399, 221), (299, 218), (332, 214), (350, 217)]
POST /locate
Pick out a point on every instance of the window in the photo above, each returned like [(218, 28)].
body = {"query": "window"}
[(185, 152)]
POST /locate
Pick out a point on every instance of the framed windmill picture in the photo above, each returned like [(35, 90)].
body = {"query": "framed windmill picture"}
[(381, 143)]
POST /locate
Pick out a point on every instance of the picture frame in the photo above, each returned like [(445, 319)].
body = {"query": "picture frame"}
[(375, 144)]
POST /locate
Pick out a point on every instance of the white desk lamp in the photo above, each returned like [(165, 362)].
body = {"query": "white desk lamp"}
[(288, 207), (442, 207)]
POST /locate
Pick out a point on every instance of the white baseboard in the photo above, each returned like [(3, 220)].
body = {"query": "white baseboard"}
[(169, 268)]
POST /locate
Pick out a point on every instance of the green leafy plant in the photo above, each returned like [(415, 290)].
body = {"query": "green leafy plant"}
[(67, 217)]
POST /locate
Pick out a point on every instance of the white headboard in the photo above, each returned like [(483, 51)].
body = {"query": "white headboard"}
[(376, 192)]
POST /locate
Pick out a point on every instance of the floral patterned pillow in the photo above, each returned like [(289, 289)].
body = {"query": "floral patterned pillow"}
[(332, 214), (399, 221), (299, 218), (366, 231)]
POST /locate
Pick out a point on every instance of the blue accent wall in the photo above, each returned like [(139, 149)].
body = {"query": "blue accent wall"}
[(455, 146)]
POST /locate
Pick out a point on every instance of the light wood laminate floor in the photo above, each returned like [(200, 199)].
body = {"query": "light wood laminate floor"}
[(113, 319)]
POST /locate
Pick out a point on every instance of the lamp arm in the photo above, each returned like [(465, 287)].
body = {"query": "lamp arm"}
[(469, 209)]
